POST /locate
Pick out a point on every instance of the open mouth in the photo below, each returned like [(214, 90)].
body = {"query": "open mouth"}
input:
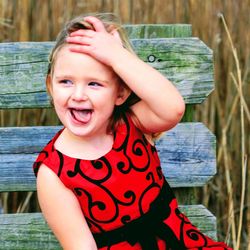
[(81, 115)]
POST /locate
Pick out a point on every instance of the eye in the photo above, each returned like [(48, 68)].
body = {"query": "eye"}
[(95, 84), (66, 82)]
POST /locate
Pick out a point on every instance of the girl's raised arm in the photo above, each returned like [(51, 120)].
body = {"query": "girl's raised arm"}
[(161, 106), (62, 212)]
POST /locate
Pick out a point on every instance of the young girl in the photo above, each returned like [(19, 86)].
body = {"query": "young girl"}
[(99, 180)]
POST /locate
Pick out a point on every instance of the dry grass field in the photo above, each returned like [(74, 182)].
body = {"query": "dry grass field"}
[(224, 26)]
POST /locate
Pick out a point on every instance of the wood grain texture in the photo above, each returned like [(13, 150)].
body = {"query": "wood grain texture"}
[(30, 231), (187, 154), (158, 30), (187, 62)]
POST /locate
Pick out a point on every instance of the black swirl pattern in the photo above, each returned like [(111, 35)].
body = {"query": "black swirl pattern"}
[(122, 188)]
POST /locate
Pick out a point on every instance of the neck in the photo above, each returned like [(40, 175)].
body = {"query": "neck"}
[(88, 148)]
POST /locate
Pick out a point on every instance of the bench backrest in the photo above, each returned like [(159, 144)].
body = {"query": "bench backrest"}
[(187, 152)]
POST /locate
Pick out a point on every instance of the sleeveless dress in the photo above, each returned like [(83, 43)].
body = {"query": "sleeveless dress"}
[(117, 192)]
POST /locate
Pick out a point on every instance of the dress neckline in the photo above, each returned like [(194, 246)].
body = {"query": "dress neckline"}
[(77, 158)]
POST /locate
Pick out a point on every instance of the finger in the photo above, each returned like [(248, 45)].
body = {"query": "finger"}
[(116, 35), (97, 24), (82, 40), (81, 32), (80, 48)]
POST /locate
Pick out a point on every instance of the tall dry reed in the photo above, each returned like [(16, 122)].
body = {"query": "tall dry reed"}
[(225, 112)]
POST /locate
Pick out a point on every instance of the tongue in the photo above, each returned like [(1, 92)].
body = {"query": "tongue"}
[(82, 115)]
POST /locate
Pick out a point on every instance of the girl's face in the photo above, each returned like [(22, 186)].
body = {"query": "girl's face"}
[(84, 93)]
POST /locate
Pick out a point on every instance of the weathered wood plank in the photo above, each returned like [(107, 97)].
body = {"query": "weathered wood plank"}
[(158, 30), (187, 155), (187, 62), (25, 140), (30, 231), (26, 231)]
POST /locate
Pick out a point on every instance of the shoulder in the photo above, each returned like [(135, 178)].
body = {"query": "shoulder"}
[(46, 177), (49, 185), (47, 155)]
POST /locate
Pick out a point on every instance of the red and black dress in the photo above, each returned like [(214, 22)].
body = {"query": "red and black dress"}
[(124, 196)]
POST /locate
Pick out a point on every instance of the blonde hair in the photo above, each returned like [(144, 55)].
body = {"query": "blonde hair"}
[(111, 22)]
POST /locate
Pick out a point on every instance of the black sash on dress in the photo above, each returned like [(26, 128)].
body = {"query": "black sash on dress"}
[(146, 229)]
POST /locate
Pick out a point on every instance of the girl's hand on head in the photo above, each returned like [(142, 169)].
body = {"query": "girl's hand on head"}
[(97, 43)]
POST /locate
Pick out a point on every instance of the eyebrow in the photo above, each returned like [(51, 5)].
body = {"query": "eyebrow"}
[(64, 76)]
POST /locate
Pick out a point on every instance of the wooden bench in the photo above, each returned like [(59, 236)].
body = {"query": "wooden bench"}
[(187, 152)]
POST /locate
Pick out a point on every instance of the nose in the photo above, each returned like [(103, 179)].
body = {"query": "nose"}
[(79, 94)]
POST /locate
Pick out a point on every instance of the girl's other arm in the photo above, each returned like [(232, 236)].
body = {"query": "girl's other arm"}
[(62, 211)]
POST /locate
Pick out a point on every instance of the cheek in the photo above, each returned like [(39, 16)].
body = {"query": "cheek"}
[(107, 101), (59, 96), (59, 111), (59, 105)]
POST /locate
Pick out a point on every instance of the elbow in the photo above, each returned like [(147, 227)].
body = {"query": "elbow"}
[(177, 109), (176, 116), (180, 110)]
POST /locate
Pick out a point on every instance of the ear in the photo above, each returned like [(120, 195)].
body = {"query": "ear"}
[(49, 84), (123, 94)]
